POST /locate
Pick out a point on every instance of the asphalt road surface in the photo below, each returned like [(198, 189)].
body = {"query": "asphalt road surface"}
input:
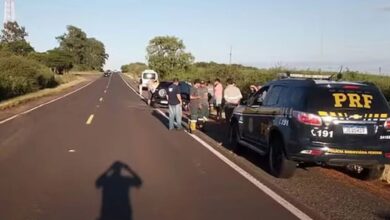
[(101, 153)]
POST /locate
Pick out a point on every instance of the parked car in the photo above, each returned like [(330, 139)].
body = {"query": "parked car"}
[(159, 96), (319, 121)]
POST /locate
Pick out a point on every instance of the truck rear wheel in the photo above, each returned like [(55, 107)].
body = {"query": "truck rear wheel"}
[(234, 138), (279, 165), (371, 173)]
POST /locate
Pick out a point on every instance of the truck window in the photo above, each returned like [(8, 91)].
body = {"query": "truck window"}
[(273, 96), (149, 76), (362, 99), (293, 97)]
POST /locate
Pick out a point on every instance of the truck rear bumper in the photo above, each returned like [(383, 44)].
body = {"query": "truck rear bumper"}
[(341, 157)]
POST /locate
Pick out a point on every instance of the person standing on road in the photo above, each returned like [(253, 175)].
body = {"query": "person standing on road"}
[(204, 101), (210, 89), (152, 86), (218, 96), (194, 105), (232, 96), (175, 105)]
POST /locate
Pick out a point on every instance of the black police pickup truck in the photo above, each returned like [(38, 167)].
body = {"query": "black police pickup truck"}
[(320, 121)]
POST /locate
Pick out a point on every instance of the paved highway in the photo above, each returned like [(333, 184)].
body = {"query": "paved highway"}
[(101, 153)]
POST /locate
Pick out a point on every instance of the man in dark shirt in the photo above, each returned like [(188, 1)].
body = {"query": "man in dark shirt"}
[(175, 105), (194, 104)]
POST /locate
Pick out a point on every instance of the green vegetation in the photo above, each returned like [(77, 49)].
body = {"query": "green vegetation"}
[(68, 80), (87, 53), (13, 39), (167, 56), (22, 70), (20, 75), (134, 69)]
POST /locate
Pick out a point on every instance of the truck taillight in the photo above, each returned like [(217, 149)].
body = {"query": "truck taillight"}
[(308, 119), (387, 124)]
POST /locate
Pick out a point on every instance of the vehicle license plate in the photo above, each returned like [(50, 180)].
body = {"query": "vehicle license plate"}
[(355, 129)]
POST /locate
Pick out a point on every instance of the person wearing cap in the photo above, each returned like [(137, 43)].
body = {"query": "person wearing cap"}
[(175, 105), (204, 101), (194, 105), (232, 96)]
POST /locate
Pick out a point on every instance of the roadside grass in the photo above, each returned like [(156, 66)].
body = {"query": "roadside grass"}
[(132, 76), (66, 78), (66, 81), (87, 73)]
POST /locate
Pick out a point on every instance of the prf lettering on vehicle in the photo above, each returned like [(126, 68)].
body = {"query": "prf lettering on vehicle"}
[(352, 100)]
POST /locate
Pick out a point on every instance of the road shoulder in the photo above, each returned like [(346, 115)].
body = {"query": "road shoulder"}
[(18, 105)]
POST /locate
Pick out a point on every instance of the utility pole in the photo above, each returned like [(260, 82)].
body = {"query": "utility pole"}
[(9, 11)]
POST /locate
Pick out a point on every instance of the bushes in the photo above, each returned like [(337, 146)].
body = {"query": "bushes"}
[(245, 76), (19, 75)]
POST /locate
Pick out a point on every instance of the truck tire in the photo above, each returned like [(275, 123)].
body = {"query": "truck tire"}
[(279, 165), (371, 173), (234, 138)]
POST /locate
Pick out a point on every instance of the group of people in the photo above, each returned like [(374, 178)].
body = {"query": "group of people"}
[(204, 96)]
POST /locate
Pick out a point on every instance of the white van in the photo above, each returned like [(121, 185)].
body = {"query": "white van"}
[(146, 77)]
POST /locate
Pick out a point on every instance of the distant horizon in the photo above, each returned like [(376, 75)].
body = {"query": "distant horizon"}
[(309, 65), (300, 34)]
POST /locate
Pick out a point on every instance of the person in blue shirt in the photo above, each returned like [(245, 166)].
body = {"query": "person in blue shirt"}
[(175, 105)]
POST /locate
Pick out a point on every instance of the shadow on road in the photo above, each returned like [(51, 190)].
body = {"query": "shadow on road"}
[(116, 203), (383, 215), (163, 120), (218, 131)]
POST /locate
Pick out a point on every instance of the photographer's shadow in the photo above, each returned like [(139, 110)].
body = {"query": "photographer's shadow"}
[(116, 203)]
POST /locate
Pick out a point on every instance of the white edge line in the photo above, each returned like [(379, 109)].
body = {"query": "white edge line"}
[(283, 202), (46, 103), (142, 97), (109, 82), (90, 119)]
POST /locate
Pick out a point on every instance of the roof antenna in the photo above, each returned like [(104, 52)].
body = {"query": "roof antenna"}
[(338, 75)]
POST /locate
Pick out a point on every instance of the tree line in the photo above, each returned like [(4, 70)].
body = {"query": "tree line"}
[(168, 56), (24, 70)]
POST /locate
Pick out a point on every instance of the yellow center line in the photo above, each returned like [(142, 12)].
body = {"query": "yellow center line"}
[(89, 121)]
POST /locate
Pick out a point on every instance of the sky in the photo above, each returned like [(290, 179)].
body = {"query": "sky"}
[(295, 34)]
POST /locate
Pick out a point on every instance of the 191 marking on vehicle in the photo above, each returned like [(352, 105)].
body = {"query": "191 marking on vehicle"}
[(322, 133), (385, 137)]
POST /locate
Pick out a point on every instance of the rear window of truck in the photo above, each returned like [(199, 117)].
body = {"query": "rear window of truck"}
[(344, 98)]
